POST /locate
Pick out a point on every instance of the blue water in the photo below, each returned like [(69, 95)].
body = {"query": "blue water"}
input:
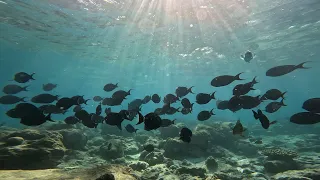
[(154, 47)]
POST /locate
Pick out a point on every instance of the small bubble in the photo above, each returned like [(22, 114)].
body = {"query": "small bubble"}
[(191, 25)]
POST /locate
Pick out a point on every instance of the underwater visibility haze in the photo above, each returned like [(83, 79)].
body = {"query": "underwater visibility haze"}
[(162, 89)]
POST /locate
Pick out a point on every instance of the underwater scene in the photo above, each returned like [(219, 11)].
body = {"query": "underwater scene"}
[(159, 90)]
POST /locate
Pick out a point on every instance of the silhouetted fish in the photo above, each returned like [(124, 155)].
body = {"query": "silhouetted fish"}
[(274, 106), (305, 118), (222, 105), (71, 120), (110, 87), (247, 57), (130, 128), (44, 98), (205, 115), (312, 105), (273, 94), (203, 98), (23, 77), (152, 121), (263, 119), (238, 129), (156, 98), (186, 103), (11, 99), (97, 98), (170, 99), (49, 86), (284, 69), (224, 80), (13, 89), (185, 135), (242, 89), (183, 91)]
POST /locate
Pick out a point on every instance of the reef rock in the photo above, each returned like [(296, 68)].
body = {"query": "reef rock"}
[(39, 150), (14, 141), (112, 149), (194, 171), (131, 147), (277, 166), (279, 154), (74, 139), (171, 131), (211, 164), (177, 149), (152, 158), (139, 165), (306, 174)]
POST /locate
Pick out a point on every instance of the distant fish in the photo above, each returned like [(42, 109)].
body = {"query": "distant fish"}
[(155, 98), (97, 98), (238, 129), (205, 115), (49, 86), (107, 111), (273, 94), (183, 91), (172, 110), (71, 120), (224, 80), (11, 99), (86, 119), (114, 119), (23, 77), (120, 94), (263, 119), (146, 99), (110, 87), (186, 103), (141, 118), (167, 122), (284, 69), (274, 106), (235, 103), (130, 128), (305, 118), (170, 99), (77, 108), (66, 103), (44, 98), (222, 105), (203, 98), (51, 109), (186, 111), (185, 135), (249, 102), (14, 89), (31, 115), (80, 99), (248, 56), (98, 109), (21, 110), (312, 105)]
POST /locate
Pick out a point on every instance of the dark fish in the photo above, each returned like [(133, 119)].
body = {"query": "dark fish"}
[(273, 94), (156, 98), (98, 109), (247, 57), (238, 129), (121, 94), (146, 99), (49, 86), (71, 120), (167, 122), (97, 98), (159, 111), (131, 129), (183, 91), (141, 118), (85, 118), (114, 119), (51, 109), (224, 80), (112, 101), (186, 103), (186, 111), (284, 69), (148, 148), (172, 110), (222, 105), (135, 104), (21, 110), (14, 89), (23, 77), (31, 115), (263, 119), (205, 115), (242, 89), (249, 102), (125, 114), (185, 135), (152, 121), (44, 98), (312, 105), (96, 118), (235, 103), (274, 106), (80, 100), (305, 118), (66, 103), (77, 108), (165, 108), (110, 87), (107, 111), (203, 98), (170, 98), (11, 99)]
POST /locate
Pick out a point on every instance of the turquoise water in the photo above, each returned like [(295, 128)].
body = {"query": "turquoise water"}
[(154, 47)]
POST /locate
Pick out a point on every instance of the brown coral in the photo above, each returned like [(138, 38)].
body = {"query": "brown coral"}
[(279, 154)]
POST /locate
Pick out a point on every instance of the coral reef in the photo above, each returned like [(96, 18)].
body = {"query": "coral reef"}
[(279, 154), (112, 149), (306, 174)]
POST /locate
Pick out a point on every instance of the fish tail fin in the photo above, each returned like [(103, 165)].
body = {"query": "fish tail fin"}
[(173, 121), (237, 77), (85, 102), (254, 81), (119, 126), (300, 66), (241, 56), (282, 95), (255, 114), (282, 103), (48, 118), (129, 92), (190, 90), (31, 76), (273, 122), (211, 112), (116, 84), (135, 131), (213, 95), (25, 88), (23, 99), (178, 110)]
